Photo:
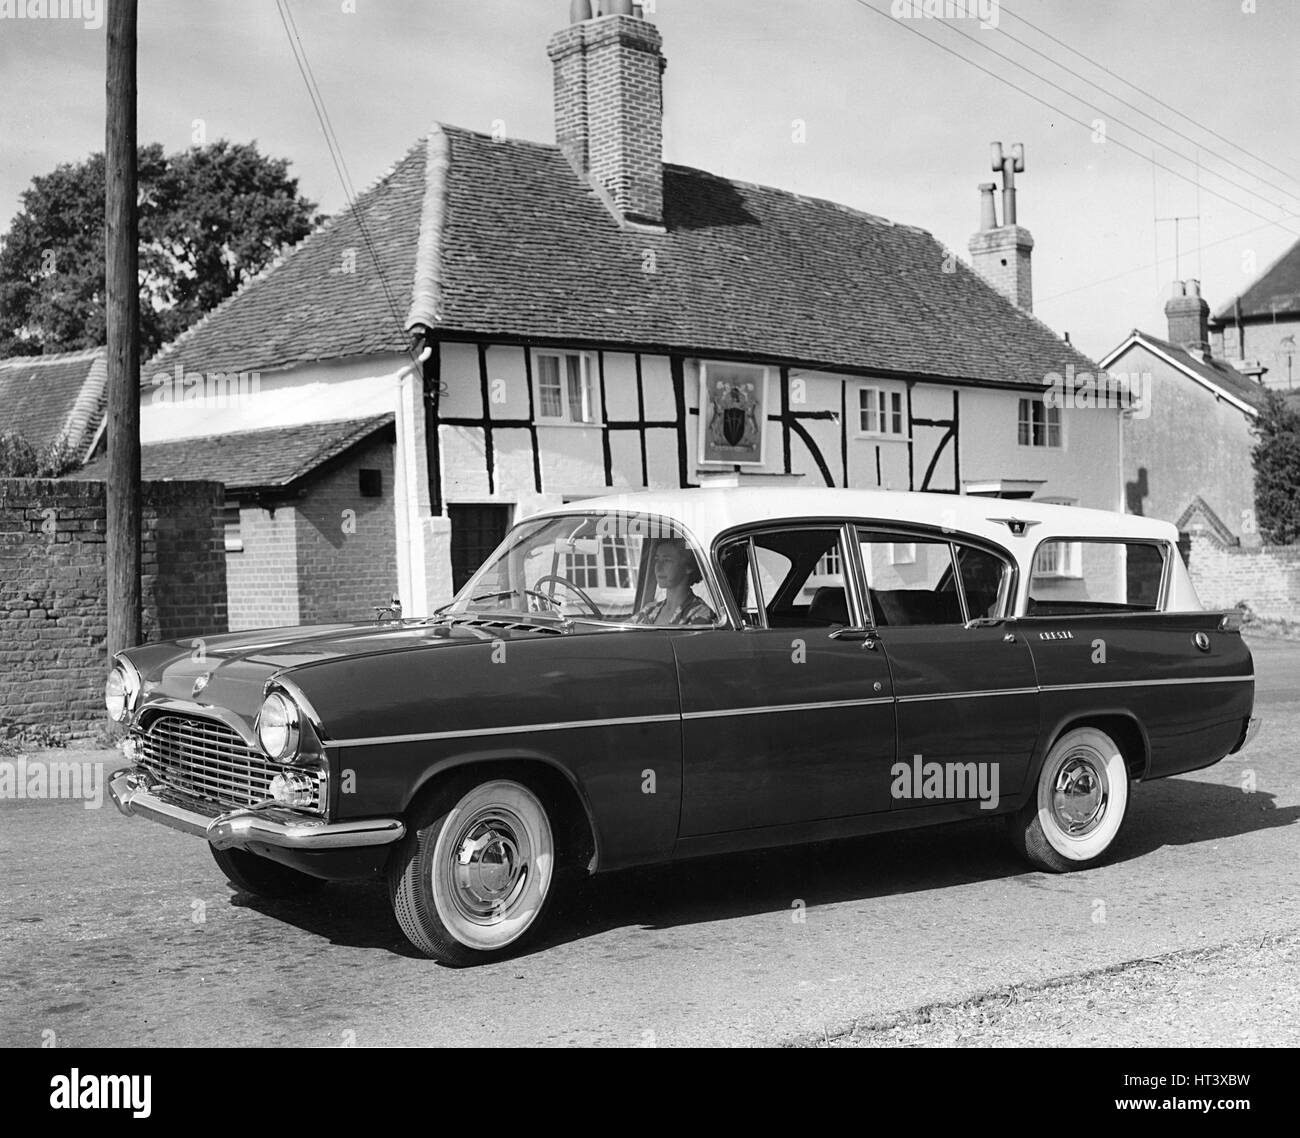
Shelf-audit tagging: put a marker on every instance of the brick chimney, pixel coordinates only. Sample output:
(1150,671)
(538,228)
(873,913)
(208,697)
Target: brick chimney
(1001,254)
(1188,316)
(609,105)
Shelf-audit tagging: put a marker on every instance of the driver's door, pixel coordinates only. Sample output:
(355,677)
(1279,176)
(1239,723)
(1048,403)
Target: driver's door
(789,720)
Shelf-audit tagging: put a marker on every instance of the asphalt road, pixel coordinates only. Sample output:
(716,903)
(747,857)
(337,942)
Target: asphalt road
(117,931)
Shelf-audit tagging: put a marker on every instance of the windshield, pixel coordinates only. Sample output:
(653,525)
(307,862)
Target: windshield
(622,568)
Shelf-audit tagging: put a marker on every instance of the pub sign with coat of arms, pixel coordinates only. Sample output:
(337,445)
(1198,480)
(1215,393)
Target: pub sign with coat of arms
(733,410)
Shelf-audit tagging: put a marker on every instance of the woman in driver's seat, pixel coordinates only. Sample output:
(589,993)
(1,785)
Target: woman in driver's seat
(676,570)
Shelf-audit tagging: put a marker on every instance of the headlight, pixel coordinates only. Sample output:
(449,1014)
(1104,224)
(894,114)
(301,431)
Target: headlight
(120,690)
(277,727)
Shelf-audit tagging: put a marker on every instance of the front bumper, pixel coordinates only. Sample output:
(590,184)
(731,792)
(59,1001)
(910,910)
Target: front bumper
(268,825)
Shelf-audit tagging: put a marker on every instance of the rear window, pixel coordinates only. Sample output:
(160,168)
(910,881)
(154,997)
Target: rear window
(1091,576)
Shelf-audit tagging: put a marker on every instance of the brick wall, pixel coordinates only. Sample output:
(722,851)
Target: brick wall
(323,556)
(53,616)
(262,579)
(1266,578)
(347,544)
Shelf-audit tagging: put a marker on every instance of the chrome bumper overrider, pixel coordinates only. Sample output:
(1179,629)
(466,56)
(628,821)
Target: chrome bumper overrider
(264,825)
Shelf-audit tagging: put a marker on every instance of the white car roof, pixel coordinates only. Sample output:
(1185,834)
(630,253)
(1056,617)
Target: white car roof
(708,511)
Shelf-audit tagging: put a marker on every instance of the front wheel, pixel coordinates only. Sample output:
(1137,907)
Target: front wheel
(1079,806)
(473,876)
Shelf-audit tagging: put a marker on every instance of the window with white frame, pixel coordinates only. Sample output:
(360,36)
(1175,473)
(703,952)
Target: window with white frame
(564,388)
(829,564)
(582,569)
(880,412)
(1062,559)
(617,556)
(1039,425)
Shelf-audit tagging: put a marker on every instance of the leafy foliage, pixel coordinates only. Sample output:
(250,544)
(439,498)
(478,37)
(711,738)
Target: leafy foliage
(210,217)
(1276,458)
(19,459)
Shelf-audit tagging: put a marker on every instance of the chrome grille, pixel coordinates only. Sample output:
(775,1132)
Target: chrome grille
(208,760)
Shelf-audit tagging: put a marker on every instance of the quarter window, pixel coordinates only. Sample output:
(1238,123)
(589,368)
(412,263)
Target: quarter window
(1074,577)
(880,412)
(1039,425)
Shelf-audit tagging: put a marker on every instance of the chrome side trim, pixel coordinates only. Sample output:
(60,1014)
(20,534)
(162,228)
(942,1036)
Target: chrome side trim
(824,705)
(968,694)
(631,720)
(239,829)
(1150,683)
(516,729)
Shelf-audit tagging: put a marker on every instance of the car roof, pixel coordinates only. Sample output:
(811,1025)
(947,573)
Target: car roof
(707,512)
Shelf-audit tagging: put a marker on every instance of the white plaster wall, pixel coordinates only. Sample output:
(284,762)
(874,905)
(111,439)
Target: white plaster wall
(309,393)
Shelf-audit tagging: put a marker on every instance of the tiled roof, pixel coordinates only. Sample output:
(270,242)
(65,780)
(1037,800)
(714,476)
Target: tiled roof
(251,460)
(524,248)
(324,299)
(43,397)
(1276,290)
(1223,375)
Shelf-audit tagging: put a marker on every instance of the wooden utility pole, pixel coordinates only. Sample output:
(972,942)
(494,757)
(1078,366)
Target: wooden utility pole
(123,311)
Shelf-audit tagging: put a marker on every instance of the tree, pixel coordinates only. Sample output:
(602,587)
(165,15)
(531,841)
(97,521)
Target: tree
(19,459)
(1276,457)
(210,217)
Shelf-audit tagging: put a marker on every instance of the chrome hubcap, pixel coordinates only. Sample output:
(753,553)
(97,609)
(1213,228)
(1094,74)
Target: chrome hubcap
(1079,795)
(490,865)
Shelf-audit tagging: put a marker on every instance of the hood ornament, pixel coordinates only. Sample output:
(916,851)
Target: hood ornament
(200,682)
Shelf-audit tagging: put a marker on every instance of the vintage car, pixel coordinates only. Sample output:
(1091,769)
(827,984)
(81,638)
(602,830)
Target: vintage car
(658,676)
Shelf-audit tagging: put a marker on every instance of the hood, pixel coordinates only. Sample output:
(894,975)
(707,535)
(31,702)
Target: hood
(235,666)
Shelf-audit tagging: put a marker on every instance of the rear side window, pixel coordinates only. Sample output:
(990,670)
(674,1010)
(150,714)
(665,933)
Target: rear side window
(1074,577)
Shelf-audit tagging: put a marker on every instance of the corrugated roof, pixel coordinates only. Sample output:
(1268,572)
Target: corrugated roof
(528,249)
(250,460)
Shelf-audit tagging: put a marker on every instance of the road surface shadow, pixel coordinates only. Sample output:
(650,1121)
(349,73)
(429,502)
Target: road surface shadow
(1167,812)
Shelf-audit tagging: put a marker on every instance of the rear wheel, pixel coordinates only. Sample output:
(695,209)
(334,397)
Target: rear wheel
(264,878)
(473,876)
(1079,805)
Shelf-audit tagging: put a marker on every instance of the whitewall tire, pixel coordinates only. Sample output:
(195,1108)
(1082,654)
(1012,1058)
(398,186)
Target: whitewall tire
(1078,805)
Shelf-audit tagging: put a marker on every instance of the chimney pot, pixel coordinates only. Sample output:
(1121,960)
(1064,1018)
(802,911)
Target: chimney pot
(988,206)
(619,7)
(579,10)
(1193,288)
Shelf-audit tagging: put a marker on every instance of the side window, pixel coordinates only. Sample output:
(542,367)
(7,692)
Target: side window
(910,580)
(1096,576)
(788,578)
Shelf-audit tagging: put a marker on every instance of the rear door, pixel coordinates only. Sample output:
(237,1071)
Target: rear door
(790,719)
(968,715)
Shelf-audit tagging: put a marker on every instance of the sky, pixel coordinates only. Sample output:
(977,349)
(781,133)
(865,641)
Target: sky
(839,99)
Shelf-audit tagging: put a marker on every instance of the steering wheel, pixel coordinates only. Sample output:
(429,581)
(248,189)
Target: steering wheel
(586,600)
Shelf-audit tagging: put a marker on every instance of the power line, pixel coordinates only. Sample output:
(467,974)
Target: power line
(1155,99)
(1143,268)
(336,154)
(908,26)
(1145,114)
